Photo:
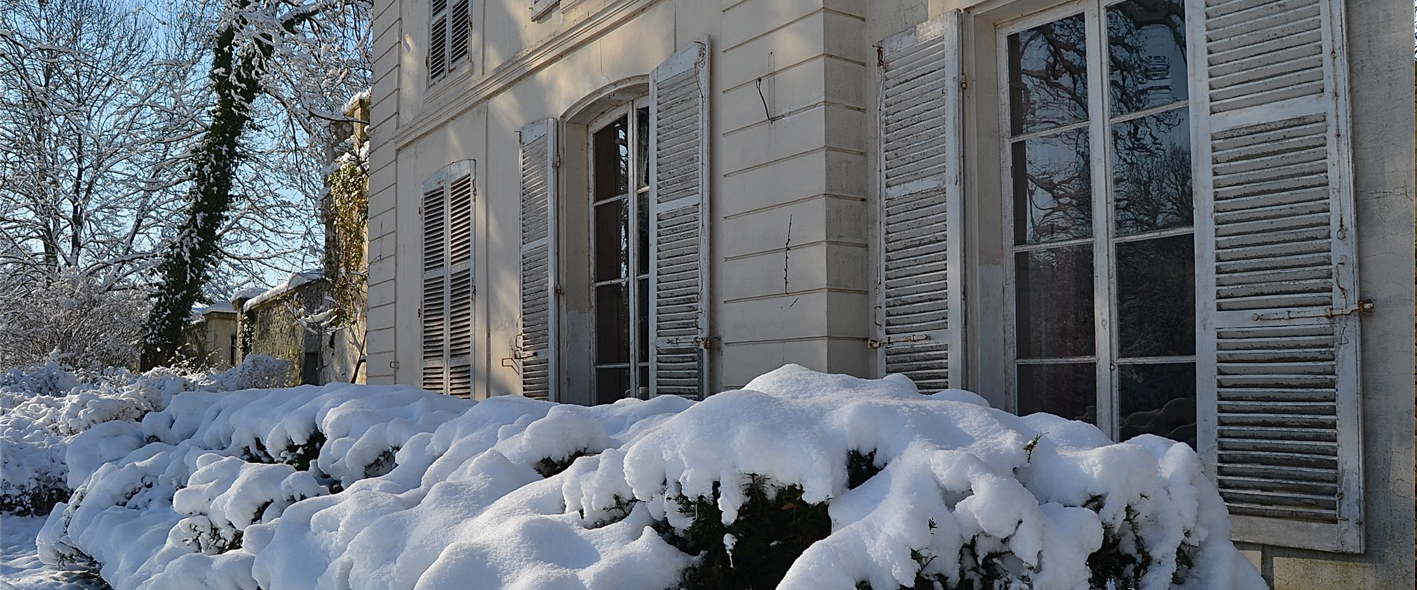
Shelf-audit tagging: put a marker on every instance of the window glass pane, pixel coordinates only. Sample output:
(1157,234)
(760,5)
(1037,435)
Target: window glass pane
(1067,390)
(1151,168)
(612,240)
(612,324)
(1156,297)
(1054,302)
(611,385)
(644,382)
(643,321)
(1158,399)
(1146,41)
(1052,188)
(642,204)
(612,160)
(642,147)
(1048,75)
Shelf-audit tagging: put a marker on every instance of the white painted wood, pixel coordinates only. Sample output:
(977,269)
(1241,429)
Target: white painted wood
(540,8)
(679,214)
(449,32)
(535,349)
(445,312)
(432,311)
(437,59)
(461,193)
(920,327)
(1277,331)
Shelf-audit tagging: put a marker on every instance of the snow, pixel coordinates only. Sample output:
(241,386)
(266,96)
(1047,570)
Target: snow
(391,487)
(46,407)
(20,567)
(290,284)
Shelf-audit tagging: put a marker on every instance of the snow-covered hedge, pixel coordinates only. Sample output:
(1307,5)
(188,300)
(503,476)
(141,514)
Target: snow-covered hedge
(801,480)
(44,406)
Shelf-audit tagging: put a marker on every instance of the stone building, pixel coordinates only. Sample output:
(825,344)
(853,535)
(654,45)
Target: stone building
(1192,218)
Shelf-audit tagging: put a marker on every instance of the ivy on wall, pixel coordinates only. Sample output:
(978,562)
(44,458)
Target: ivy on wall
(349,219)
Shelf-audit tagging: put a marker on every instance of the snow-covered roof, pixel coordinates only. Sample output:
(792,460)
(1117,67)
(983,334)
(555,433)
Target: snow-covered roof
(354,100)
(290,284)
(247,293)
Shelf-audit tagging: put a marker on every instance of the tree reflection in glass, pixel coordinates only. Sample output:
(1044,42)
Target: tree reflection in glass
(1146,45)
(1048,75)
(1151,172)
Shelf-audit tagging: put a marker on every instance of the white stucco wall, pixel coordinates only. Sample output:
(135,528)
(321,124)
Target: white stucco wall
(793,298)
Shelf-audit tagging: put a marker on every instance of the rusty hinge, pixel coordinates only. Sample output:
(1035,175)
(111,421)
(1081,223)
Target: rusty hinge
(873,343)
(1364,306)
(708,343)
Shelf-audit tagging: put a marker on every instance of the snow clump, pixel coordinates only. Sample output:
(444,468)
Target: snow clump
(801,480)
(46,406)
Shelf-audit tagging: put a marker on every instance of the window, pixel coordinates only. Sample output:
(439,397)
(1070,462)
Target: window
(614,241)
(1099,172)
(620,253)
(448,34)
(1164,237)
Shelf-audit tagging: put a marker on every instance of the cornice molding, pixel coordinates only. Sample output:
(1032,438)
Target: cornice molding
(524,64)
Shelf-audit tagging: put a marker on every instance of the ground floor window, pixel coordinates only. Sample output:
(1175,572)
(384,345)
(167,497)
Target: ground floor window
(1099,208)
(620,252)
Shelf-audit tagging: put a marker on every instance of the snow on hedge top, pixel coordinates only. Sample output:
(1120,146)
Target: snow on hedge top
(390,487)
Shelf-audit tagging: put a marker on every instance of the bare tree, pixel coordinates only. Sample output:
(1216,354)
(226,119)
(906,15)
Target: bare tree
(94,109)
(291,58)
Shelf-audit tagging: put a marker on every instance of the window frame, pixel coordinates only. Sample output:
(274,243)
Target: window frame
(1103,239)
(628,110)
(450,66)
(540,8)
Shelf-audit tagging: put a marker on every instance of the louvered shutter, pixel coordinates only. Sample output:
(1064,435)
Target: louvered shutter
(433,311)
(918,292)
(678,308)
(461,193)
(1277,344)
(536,347)
(446,308)
(437,39)
(459,28)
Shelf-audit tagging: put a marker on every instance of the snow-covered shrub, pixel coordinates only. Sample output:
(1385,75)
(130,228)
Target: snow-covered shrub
(87,323)
(799,481)
(47,405)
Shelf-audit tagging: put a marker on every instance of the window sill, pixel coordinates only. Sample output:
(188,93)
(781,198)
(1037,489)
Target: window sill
(461,75)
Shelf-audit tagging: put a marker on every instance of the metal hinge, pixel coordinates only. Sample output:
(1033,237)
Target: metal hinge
(1364,306)
(873,343)
(708,343)
(519,351)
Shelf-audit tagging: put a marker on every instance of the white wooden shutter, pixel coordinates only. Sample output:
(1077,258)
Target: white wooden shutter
(536,346)
(462,190)
(679,143)
(437,39)
(459,28)
(920,323)
(1277,291)
(446,308)
(433,309)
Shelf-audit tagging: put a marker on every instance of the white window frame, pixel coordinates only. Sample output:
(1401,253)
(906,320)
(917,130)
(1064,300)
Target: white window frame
(627,110)
(540,8)
(1102,240)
